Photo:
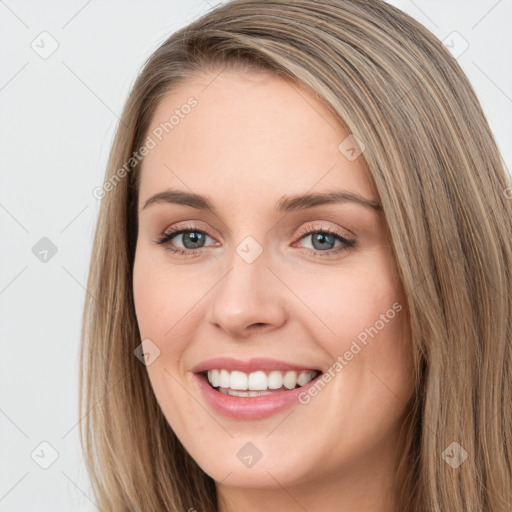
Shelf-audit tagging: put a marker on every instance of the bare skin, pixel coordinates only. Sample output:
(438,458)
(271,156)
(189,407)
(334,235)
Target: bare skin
(250,141)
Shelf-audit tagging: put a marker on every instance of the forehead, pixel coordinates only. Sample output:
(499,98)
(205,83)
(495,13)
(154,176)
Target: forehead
(250,134)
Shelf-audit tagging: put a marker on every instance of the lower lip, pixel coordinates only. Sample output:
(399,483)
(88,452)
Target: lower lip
(250,408)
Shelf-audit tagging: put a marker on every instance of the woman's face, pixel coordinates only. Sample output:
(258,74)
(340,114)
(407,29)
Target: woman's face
(303,284)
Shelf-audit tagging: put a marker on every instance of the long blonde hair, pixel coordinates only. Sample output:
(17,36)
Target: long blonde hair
(448,205)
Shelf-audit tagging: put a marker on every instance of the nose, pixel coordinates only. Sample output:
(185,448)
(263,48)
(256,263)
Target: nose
(249,298)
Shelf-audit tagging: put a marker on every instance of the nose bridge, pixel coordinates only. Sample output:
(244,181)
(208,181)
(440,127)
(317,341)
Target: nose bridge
(248,293)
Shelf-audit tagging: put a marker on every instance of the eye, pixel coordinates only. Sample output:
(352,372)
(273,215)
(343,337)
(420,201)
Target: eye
(191,238)
(323,240)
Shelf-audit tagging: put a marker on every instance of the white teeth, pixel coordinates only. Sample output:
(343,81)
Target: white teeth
(290,380)
(238,380)
(234,392)
(214,377)
(223,379)
(258,381)
(303,379)
(275,380)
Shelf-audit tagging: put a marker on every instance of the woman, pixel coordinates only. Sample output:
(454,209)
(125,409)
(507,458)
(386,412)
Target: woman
(299,293)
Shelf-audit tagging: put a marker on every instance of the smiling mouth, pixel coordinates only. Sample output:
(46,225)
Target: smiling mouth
(258,383)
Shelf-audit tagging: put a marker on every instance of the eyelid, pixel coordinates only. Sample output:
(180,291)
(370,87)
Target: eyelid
(186,226)
(314,227)
(179,229)
(318,226)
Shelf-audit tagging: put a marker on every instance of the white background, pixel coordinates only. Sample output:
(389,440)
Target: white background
(58,117)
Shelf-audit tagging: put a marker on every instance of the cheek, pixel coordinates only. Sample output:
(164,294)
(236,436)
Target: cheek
(358,314)
(163,310)
(345,303)
(159,296)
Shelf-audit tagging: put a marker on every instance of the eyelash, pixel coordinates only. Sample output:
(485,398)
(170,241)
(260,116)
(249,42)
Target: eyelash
(165,238)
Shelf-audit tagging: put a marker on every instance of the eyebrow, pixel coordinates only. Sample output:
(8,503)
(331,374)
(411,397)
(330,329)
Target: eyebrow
(285,204)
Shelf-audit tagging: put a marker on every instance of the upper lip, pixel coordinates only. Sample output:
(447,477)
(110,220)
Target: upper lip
(251,365)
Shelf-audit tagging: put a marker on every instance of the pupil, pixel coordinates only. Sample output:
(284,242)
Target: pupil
(194,238)
(322,239)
